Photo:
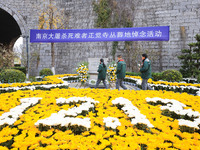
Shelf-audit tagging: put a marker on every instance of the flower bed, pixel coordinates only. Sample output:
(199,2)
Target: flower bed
(190,80)
(55,81)
(168,86)
(99,119)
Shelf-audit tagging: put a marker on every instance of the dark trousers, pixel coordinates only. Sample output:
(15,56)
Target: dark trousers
(145,85)
(119,82)
(98,81)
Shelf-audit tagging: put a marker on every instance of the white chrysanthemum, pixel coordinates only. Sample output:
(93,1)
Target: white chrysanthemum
(111,122)
(188,123)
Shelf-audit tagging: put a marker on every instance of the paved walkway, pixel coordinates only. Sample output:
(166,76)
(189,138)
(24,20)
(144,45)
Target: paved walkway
(78,85)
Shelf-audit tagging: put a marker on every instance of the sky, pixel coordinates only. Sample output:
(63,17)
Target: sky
(17,44)
(19,41)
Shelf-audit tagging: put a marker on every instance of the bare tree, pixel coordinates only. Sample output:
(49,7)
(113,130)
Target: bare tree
(6,57)
(51,18)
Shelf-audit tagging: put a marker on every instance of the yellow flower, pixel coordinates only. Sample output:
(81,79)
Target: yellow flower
(127,136)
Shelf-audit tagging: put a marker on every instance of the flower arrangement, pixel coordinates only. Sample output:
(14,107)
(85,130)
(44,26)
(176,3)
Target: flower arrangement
(111,73)
(82,71)
(99,119)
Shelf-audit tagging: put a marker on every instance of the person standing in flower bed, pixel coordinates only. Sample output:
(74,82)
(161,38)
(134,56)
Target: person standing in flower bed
(146,72)
(102,74)
(121,72)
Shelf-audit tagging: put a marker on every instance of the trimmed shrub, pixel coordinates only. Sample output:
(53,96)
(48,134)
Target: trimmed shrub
(172,75)
(17,65)
(133,73)
(32,79)
(12,75)
(46,72)
(23,69)
(156,76)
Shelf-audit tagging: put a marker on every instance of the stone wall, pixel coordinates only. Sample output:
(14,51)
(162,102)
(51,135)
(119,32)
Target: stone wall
(183,17)
(70,55)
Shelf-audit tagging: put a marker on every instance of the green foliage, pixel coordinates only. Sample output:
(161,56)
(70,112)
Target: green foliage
(110,15)
(104,14)
(23,69)
(198,78)
(172,75)
(32,79)
(190,59)
(114,48)
(12,75)
(17,65)
(156,76)
(113,63)
(46,72)
(133,73)
(85,63)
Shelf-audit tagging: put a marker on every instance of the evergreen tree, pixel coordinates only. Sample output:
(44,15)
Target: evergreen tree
(190,59)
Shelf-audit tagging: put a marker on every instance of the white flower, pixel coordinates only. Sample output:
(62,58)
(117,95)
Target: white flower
(138,82)
(111,122)
(10,121)
(41,121)
(141,120)
(62,113)
(71,112)
(188,123)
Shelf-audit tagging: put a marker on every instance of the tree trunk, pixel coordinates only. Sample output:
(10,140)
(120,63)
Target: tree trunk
(106,46)
(38,57)
(52,58)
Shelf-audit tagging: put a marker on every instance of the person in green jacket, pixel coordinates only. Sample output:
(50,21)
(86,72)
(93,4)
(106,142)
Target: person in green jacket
(121,72)
(102,74)
(146,72)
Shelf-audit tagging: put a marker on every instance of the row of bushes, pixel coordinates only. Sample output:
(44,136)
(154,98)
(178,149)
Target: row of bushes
(167,75)
(17,74)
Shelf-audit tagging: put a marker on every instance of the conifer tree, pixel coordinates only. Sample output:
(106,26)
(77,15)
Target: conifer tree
(190,59)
